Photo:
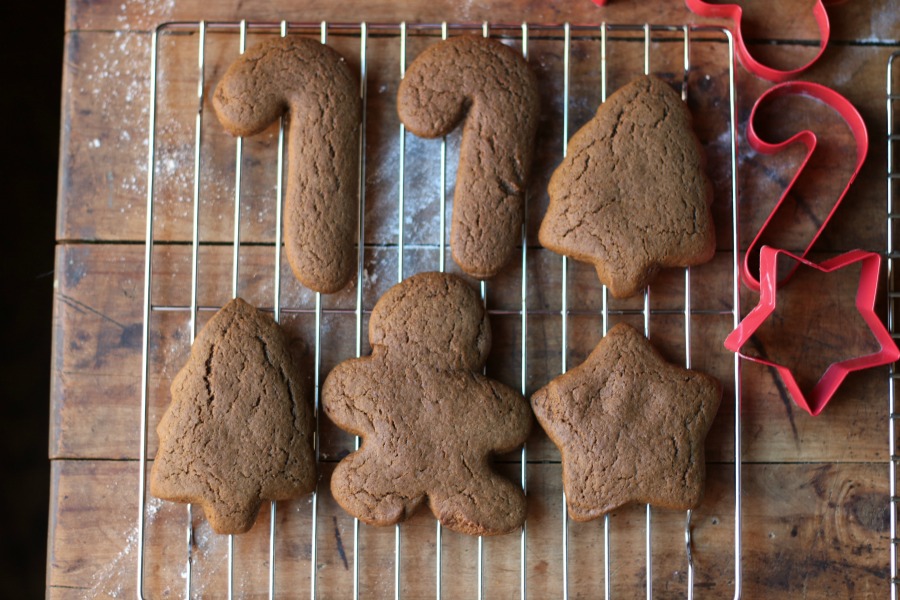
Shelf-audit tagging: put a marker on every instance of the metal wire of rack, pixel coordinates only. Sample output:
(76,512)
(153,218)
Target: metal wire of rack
(401,32)
(893,175)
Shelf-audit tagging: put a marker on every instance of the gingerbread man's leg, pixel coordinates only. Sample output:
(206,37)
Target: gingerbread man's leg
(487,505)
(363,485)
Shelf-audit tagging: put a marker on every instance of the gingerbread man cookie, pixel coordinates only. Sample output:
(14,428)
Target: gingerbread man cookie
(428,418)
(630,427)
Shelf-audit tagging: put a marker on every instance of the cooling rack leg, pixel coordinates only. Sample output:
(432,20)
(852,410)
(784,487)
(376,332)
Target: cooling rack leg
(687,321)
(145,327)
(891,297)
(363,93)
(236,262)
(607,583)
(736,313)
(523,560)
(195,247)
(564,310)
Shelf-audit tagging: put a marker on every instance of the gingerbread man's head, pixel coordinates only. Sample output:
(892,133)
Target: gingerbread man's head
(429,315)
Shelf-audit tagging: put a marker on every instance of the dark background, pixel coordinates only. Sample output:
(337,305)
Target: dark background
(32,66)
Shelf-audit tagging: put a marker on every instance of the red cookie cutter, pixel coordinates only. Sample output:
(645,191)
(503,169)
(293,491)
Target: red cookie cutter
(735,14)
(857,126)
(865,303)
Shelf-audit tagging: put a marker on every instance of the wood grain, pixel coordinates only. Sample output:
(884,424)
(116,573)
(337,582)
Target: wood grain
(812,528)
(96,378)
(766,19)
(815,502)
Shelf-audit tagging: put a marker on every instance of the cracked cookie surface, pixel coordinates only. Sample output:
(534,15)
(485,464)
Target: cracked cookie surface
(631,196)
(239,428)
(428,418)
(630,427)
(491,87)
(313,87)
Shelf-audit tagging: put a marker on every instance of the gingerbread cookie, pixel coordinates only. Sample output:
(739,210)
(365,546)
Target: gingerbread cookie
(490,86)
(239,429)
(630,427)
(631,196)
(312,85)
(427,417)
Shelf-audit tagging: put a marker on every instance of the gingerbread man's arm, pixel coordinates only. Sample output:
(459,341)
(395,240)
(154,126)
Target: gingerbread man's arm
(507,418)
(346,391)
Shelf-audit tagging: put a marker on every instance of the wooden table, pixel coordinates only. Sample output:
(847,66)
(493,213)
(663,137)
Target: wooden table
(815,490)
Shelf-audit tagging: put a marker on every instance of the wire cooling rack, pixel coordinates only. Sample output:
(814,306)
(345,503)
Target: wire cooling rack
(578,65)
(893,175)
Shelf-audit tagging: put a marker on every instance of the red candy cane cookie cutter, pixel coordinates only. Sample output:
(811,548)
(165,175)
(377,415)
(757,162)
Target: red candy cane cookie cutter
(735,14)
(858,128)
(835,374)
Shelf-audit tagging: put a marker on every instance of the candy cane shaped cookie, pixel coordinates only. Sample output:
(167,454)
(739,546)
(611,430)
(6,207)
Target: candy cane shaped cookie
(491,87)
(312,85)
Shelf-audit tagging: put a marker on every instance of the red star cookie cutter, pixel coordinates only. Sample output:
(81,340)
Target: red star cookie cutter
(735,14)
(857,127)
(834,375)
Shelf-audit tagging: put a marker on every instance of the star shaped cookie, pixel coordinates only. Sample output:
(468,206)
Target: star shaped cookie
(428,419)
(630,427)
(631,196)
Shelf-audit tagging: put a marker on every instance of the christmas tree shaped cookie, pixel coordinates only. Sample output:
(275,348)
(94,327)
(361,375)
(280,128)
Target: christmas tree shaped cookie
(631,196)
(239,429)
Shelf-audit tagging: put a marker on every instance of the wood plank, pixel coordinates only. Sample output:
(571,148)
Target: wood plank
(105,424)
(104,170)
(110,15)
(800,522)
(96,377)
(766,19)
